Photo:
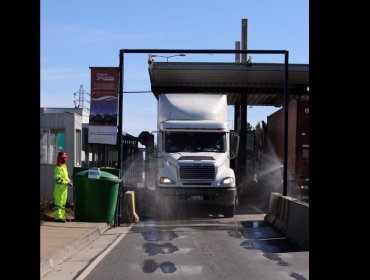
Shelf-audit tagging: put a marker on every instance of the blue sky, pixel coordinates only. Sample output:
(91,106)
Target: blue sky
(78,34)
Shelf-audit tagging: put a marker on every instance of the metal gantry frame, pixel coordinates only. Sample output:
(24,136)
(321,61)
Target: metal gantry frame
(210,51)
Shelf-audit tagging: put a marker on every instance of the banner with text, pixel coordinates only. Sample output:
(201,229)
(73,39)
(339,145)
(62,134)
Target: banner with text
(103,105)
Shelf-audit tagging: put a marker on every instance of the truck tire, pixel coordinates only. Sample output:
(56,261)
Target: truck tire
(229,211)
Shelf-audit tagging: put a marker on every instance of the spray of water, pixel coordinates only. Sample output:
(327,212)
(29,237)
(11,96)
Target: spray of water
(139,175)
(262,177)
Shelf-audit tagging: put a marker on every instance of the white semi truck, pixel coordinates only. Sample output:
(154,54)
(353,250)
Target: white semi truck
(193,144)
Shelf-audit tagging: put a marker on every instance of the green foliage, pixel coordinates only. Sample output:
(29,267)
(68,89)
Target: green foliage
(249,127)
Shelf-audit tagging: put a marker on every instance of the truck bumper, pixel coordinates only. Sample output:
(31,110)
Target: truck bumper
(208,196)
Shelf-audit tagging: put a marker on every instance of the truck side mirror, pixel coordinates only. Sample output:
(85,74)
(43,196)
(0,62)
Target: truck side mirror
(234,144)
(153,154)
(147,139)
(150,144)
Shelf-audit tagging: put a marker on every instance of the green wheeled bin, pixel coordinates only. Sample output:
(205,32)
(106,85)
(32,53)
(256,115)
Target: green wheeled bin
(96,193)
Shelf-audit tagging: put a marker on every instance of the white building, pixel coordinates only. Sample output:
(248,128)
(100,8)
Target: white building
(61,129)
(66,129)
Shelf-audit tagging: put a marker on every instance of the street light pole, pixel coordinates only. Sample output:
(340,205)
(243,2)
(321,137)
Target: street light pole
(167,57)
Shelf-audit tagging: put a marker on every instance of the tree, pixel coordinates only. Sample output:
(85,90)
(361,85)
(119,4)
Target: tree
(249,127)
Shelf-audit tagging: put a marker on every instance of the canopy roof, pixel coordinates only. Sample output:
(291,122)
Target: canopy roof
(262,82)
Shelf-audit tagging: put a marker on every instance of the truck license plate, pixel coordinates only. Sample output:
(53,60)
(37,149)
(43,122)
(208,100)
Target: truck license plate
(196,197)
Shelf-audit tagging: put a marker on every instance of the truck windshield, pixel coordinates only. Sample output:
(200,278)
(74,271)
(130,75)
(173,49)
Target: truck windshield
(195,142)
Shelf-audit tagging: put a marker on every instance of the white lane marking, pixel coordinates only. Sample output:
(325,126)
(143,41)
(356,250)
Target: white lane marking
(190,269)
(100,257)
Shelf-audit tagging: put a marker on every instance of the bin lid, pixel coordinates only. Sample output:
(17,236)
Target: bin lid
(103,176)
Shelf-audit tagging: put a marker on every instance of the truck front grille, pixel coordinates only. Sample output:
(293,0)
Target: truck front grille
(197,174)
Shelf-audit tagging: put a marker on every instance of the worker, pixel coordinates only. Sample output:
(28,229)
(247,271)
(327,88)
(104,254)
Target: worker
(62,182)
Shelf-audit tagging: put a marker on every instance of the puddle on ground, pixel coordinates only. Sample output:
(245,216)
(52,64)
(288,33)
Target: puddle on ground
(159,235)
(154,249)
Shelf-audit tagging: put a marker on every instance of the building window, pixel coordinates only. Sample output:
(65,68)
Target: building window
(78,146)
(44,146)
(51,143)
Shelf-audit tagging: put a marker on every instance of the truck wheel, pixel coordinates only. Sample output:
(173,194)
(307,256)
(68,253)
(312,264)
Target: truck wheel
(229,211)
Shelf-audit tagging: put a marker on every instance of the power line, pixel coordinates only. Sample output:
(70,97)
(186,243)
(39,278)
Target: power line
(138,91)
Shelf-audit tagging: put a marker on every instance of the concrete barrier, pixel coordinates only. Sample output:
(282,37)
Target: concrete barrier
(129,211)
(298,224)
(281,223)
(273,211)
(290,218)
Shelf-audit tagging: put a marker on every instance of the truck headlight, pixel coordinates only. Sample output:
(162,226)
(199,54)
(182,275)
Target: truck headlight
(227,181)
(166,181)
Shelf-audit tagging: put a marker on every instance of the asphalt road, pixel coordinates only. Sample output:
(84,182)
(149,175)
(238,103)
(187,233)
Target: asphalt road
(200,245)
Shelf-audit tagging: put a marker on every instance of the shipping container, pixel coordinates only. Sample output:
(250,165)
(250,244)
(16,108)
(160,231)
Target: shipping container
(298,146)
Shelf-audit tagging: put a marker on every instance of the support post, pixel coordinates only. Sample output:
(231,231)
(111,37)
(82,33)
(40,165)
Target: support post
(286,109)
(117,220)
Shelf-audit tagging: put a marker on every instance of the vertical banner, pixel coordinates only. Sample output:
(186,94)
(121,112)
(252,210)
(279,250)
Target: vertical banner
(103,105)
